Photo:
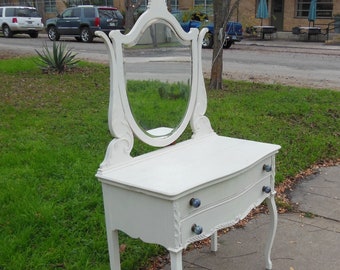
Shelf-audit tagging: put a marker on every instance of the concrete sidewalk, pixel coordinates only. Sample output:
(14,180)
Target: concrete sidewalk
(301,243)
(288,43)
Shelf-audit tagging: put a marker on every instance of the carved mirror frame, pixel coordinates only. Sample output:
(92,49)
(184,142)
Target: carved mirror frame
(122,124)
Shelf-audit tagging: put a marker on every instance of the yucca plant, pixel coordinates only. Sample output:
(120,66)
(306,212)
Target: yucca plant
(59,59)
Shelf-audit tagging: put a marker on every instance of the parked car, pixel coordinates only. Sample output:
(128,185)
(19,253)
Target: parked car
(82,21)
(234,31)
(20,20)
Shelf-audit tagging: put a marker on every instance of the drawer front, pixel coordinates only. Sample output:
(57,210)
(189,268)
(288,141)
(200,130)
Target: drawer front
(206,197)
(223,213)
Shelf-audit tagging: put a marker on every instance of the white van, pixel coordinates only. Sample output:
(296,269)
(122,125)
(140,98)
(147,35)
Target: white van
(20,20)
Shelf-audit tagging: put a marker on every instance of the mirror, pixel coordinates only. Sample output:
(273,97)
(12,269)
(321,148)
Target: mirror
(156,83)
(158,73)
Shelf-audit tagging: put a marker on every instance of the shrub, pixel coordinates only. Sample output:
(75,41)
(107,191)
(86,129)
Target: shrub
(60,59)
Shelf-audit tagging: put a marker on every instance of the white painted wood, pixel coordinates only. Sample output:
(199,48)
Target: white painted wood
(273,226)
(160,132)
(148,196)
(113,243)
(176,260)
(214,243)
(198,162)
(119,104)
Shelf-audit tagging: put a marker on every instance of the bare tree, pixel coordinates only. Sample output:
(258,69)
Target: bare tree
(223,10)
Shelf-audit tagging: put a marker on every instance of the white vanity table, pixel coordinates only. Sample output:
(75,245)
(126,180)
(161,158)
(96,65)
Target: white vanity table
(181,192)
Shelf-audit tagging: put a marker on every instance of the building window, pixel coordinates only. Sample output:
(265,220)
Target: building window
(324,8)
(206,5)
(50,6)
(144,4)
(174,4)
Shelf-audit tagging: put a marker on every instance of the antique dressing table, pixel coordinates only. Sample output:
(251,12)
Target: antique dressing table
(185,191)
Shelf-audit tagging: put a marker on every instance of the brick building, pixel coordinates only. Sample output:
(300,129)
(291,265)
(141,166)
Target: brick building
(284,14)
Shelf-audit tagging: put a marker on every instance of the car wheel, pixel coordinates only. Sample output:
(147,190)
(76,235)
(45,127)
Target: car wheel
(227,44)
(208,41)
(52,33)
(7,31)
(34,34)
(86,35)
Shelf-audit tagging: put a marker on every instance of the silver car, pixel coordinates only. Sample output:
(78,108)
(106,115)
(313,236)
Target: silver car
(20,20)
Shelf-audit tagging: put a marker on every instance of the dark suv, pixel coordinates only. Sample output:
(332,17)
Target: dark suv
(82,21)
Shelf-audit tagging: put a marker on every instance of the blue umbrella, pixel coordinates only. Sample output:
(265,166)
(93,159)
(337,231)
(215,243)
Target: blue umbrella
(262,10)
(312,11)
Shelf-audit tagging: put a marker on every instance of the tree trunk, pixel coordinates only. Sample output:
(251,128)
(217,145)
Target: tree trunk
(130,8)
(168,4)
(153,35)
(219,30)
(129,20)
(223,10)
(216,81)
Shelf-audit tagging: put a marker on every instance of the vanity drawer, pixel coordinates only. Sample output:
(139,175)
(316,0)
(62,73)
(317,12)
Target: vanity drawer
(224,212)
(226,189)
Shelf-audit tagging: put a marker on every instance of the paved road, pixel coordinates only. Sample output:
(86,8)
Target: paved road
(307,64)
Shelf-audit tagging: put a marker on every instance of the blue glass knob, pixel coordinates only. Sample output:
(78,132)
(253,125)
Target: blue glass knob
(266,189)
(197,229)
(194,202)
(267,167)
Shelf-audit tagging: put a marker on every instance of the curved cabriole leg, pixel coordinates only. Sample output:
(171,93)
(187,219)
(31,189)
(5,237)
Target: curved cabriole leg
(176,260)
(113,243)
(273,225)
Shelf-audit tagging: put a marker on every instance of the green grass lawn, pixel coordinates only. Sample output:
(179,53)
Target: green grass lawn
(53,136)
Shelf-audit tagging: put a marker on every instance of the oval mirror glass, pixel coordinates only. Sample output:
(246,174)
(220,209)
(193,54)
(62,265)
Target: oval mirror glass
(158,72)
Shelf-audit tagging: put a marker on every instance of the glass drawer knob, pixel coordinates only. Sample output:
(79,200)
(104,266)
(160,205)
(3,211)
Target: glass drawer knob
(196,229)
(266,189)
(194,202)
(267,167)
